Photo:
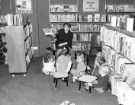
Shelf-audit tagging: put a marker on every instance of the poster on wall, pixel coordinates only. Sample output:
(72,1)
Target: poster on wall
(90,5)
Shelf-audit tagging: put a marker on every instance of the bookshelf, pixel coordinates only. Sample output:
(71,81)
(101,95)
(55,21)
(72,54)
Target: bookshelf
(3,47)
(85,26)
(19,43)
(18,36)
(118,49)
(120,42)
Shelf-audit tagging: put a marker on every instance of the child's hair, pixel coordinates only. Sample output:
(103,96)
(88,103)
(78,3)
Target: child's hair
(102,60)
(79,53)
(48,57)
(50,50)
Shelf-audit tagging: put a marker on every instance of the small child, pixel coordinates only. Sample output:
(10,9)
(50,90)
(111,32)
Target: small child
(80,67)
(99,60)
(48,64)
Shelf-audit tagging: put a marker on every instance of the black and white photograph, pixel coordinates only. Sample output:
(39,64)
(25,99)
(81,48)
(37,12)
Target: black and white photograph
(67,52)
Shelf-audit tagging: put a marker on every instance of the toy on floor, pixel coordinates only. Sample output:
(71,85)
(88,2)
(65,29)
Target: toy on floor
(79,66)
(67,103)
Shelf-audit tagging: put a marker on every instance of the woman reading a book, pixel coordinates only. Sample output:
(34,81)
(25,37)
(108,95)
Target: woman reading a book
(64,38)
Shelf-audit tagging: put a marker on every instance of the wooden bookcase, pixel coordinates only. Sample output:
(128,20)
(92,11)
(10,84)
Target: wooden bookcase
(85,26)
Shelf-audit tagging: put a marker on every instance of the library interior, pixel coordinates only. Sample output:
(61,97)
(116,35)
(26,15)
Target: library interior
(67,52)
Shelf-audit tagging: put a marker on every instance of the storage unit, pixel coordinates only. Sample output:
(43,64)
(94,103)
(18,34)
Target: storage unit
(118,48)
(19,49)
(16,53)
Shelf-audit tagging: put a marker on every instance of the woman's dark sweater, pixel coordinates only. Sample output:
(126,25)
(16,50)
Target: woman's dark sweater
(62,37)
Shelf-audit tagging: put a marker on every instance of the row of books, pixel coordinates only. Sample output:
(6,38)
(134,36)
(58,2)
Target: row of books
(120,8)
(81,46)
(16,19)
(123,22)
(115,60)
(63,8)
(78,18)
(3,50)
(28,57)
(120,42)
(82,37)
(89,28)
(80,27)
(28,29)
(63,18)
(28,44)
(96,17)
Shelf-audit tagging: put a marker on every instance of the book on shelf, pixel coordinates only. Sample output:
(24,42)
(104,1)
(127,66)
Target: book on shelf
(96,17)
(75,27)
(130,24)
(74,37)
(113,21)
(103,18)
(90,18)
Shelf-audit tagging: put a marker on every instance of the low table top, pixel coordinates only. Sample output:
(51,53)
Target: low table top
(87,78)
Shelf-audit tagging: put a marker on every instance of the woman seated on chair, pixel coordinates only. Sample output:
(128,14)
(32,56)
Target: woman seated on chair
(64,38)
(79,66)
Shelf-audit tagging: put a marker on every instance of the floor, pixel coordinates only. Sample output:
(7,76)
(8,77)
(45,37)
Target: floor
(38,89)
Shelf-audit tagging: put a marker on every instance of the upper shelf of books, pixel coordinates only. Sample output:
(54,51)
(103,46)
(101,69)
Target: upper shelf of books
(120,8)
(128,33)
(63,8)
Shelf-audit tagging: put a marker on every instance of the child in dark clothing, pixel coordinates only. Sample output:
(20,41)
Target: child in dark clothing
(101,84)
(101,71)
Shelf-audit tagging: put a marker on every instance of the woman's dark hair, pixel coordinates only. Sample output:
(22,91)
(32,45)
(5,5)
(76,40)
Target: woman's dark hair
(67,24)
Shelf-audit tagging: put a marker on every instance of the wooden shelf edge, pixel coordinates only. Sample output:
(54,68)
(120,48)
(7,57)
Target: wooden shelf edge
(128,33)
(63,12)
(122,12)
(86,32)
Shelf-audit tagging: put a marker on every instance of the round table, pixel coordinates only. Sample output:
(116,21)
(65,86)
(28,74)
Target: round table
(86,79)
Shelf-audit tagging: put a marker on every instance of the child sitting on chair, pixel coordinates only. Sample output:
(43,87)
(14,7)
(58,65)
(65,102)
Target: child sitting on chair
(80,66)
(48,64)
